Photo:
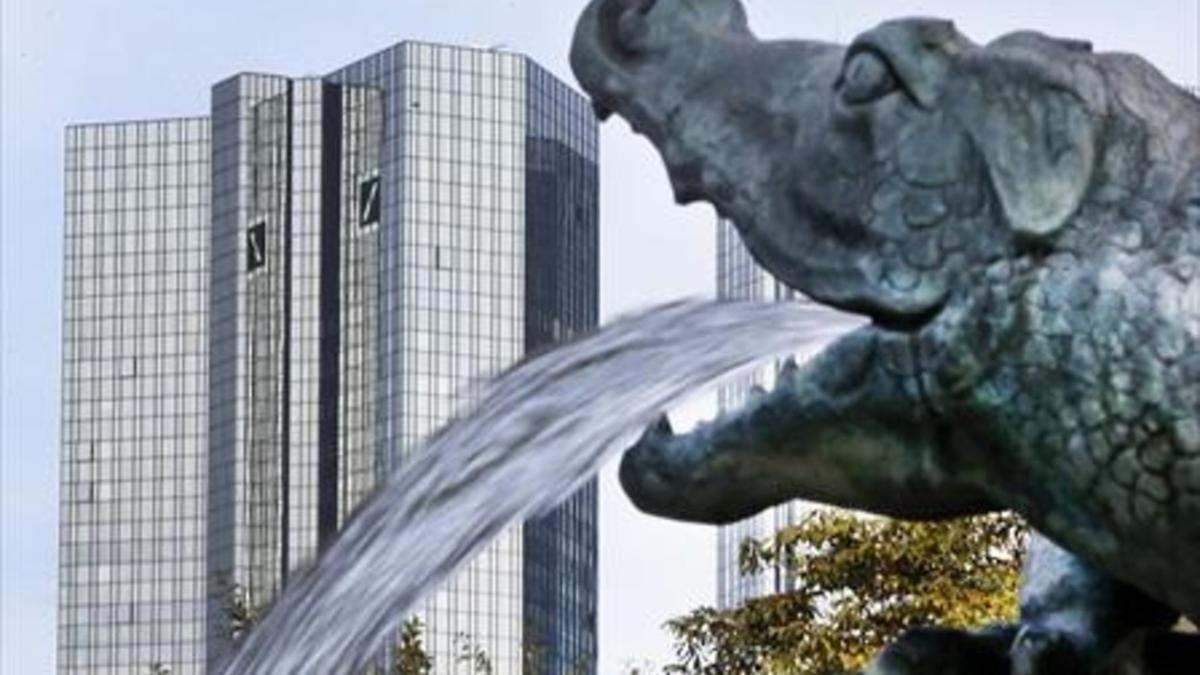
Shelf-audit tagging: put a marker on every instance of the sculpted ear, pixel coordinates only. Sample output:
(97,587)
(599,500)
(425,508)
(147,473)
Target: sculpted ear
(636,32)
(1032,106)
(919,51)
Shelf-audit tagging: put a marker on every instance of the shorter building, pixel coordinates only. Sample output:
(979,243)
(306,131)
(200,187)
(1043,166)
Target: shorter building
(740,278)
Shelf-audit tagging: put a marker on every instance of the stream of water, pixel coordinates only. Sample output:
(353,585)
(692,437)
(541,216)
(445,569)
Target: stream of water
(539,431)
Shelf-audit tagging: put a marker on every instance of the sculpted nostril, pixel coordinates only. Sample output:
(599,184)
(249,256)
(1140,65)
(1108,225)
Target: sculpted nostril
(601,111)
(644,6)
(630,25)
(622,25)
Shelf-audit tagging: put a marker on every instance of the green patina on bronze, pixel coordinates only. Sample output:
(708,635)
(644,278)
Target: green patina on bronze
(1021,220)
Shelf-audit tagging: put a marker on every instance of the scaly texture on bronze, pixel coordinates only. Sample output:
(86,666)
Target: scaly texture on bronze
(1021,220)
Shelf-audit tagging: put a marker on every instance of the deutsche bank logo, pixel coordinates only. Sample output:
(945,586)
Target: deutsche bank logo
(368,202)
(256,246)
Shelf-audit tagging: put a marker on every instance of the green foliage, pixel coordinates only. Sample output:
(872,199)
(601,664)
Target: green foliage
(533,655)
(243,613)
(410,657)
(859,584)
(470,653)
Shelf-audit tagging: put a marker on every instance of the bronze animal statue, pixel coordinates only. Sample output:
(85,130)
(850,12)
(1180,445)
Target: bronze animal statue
(1021,222)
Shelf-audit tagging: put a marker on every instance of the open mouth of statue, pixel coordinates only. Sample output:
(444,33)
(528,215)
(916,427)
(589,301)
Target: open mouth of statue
(905,323)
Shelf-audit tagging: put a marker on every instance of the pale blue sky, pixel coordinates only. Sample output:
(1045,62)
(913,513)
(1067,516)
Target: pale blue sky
(95,60)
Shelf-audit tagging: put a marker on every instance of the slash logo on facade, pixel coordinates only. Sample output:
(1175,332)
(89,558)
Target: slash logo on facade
(368,201)
(256,246)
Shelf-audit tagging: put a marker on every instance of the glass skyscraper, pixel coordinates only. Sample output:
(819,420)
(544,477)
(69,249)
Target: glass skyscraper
(134,409)
(269,308)
(740,278)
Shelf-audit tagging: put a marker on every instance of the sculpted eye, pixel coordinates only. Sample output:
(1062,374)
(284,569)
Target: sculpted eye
(866,78)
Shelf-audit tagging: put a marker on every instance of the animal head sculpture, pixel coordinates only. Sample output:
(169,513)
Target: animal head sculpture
(881,176)
(1021,220)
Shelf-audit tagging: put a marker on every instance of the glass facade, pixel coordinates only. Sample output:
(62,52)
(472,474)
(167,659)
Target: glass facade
(376,244)
(740,278)
(231,568)
(135,381)
(491,188)
(294,329)
(561,300)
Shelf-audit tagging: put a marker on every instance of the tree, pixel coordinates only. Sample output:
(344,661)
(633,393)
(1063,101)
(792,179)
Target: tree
(410,657)
(243,613)
(860,583)
(471,653)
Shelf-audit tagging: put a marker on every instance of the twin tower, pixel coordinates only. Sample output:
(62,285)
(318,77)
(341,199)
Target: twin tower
(268,308)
